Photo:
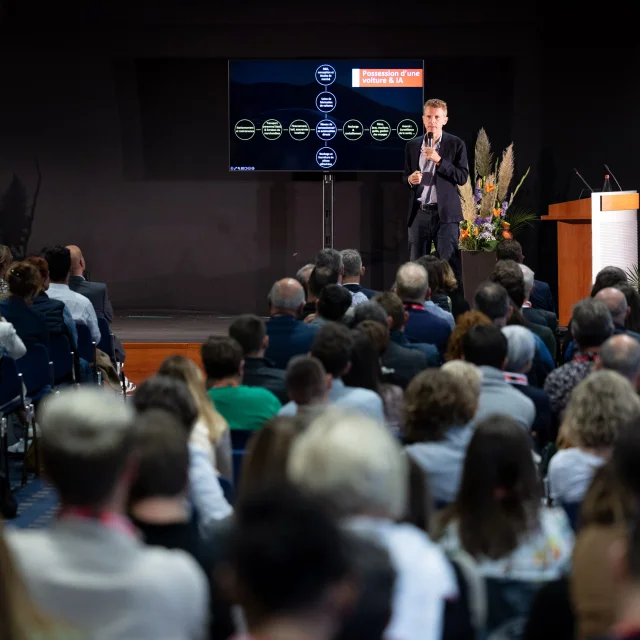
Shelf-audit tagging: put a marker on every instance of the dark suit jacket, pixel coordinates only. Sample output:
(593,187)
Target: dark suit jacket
(424,326)
(546,335)
(96,292)
(541,297)
(288,337)
(260,372)
(406,364)
(541,317)
(543,424)
(357,287)
(452,172)
(30,325)
(430,351)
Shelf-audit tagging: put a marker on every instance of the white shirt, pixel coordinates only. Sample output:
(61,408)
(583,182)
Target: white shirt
(82,310)
(428,167)
(10,341)
(570,474)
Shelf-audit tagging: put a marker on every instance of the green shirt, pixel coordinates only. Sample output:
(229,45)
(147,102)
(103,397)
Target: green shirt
(245,407)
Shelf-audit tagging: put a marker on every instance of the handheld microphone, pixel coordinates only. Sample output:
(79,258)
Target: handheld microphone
(611,174)
(430,140)
(583,180)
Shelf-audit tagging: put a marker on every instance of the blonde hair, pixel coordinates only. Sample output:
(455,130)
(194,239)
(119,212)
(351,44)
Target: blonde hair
(184,369)
(436,103)
(469,374)
(449,277)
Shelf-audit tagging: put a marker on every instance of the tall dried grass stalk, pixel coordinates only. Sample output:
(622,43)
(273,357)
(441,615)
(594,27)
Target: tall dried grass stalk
(505,172)
(469,211)
(483,155)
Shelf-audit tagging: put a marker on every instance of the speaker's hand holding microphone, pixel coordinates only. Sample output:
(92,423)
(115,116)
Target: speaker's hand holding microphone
(415,178)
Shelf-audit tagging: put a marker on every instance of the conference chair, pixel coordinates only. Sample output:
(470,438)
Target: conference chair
(62,360)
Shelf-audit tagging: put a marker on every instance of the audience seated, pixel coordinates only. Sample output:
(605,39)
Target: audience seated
(333,346)
(353,271)
(89,569)
(303,273)
(541,297)
(521,350)
(243,407)
(333,304)
(608,277)
(10,342)
(464,322)
(438,302)
(497,519)
(396,320)
(591,325)
(632,323)
(621,353)
(158,503)
(530,313)
(172,395)
(211,431)
(250,332)
(487,348)
(59,260)
(288,336)
(6,258)
(24,282)
(616,302)
(451,288)
(308,387)
(357,466)
(412,287)
(332,258)
(319,278)
(599,406)
(439,413)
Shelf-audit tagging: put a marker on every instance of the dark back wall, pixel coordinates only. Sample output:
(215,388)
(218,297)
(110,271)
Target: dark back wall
(128,120)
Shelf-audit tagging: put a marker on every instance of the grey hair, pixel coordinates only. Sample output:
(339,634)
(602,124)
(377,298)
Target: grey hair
(616,301)
(591,323)
(352,261)
(370,310)
(353,462)
(303,273)
(329,258)
(528,276)
(598,407)
(290,301)
(622,354)
(412,282)
(467,372)
(521,347)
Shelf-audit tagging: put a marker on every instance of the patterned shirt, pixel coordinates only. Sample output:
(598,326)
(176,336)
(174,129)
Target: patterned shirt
(4,289)
(561,382)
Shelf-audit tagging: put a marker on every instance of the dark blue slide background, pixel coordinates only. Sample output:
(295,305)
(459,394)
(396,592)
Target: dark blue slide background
(286,90)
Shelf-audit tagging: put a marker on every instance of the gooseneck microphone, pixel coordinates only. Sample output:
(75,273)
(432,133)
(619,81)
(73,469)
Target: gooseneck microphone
(583,180)
(430,139)
(611,174)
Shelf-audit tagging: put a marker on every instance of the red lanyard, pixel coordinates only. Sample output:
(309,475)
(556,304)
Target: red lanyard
(105,518)
(516,378)
(414,306)
(590,356)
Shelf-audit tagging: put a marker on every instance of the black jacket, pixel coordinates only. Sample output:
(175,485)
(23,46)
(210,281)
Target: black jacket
(261,372)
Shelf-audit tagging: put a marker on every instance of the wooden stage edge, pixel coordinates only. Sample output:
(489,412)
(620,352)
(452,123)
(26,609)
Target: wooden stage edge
(144,358)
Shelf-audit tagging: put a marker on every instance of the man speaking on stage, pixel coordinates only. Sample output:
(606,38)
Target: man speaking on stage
(434,166)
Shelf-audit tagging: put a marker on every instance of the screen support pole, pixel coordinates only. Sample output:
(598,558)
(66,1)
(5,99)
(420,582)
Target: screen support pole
(327,210)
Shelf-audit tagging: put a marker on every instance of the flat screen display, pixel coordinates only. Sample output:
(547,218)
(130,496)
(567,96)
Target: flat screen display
(323,115)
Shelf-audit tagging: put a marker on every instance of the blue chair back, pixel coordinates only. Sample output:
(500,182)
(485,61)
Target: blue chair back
(60,353)
(240,437)
(85,343)
(34,367)
(572,509)
(10,386)
(227,489)
(106,339)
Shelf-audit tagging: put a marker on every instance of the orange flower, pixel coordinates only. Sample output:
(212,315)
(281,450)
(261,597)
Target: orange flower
(476,231)
(507,235)
(505,225)
(496,212)
(489,188)
(464,234)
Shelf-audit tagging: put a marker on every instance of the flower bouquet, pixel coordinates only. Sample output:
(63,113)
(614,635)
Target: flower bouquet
(489,216)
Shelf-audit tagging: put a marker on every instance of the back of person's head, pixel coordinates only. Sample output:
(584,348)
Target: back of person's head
(286,554)
(286,296)
(332,345)
(364,371)
(306,380)
(162,456)
(249,331)
(86,442)
(499,496)
(376,578)
(608,277)
(59,260)
(169,394)
(492,299)
(222,357)
(6,258)
(464,322)
(352,261)
(24,281)
(529,278)
(393,306)
(616,302)
(370,310)
(412,282)
(303,273)
(353,462)
(334,302)
(436,400)
(267,454)
(632,295)
(320,278)
(591,323)
(509,250)
(433,266)
(41,265)
(621,353)
(378,335)
(599,406)
(485,345)
(449,277)
(467,373)
(331,258)
(509,275)
(521,348)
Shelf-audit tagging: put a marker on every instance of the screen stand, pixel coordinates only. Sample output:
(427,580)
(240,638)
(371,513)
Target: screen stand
(327,210)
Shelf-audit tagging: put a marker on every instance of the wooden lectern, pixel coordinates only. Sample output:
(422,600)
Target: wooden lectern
(592,234)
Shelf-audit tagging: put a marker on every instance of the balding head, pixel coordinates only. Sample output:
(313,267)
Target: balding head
(616,302)
(77,260)
(528,276)
(412,283)
(286,297)
(621,353)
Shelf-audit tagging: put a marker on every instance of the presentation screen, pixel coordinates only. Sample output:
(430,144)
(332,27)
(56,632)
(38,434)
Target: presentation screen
(323,115)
